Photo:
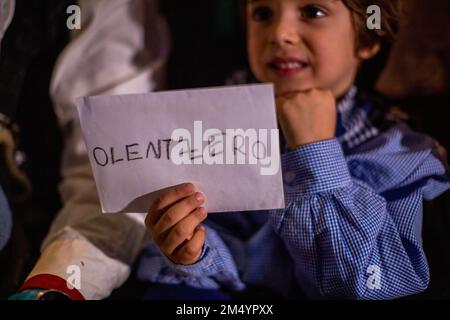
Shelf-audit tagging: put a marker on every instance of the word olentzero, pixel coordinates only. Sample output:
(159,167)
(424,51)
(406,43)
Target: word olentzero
(210,147)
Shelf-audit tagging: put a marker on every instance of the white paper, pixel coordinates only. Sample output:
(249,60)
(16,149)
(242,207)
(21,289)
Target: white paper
(132,155)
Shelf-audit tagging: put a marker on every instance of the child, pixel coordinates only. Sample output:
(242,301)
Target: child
(354,180)
(354,184)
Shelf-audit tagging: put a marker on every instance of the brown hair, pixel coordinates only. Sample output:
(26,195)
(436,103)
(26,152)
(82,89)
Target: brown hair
(390,15)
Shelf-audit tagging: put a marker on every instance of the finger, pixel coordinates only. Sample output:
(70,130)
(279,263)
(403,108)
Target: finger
(184,230)
(176,213)
(167,198)
(190,251)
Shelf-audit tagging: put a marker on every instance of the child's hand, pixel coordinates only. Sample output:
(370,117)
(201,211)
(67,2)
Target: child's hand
(306,117)
(173,221)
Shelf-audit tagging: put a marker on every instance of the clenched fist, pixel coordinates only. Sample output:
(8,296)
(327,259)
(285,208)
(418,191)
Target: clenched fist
(173,221)
(307,116)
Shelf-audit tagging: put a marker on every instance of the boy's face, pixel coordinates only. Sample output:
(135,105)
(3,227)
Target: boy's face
(302,44)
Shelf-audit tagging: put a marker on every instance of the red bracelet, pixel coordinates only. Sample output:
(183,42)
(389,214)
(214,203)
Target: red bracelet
(50,281)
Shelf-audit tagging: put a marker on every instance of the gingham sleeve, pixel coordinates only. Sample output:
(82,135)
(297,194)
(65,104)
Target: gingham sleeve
(352,224)
(214,269)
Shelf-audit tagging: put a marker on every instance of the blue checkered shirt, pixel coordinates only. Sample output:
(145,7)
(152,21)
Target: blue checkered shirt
(352,223)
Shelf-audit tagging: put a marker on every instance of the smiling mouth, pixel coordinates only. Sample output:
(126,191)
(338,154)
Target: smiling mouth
(287,66)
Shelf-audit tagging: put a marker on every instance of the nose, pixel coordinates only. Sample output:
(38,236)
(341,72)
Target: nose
(285,31)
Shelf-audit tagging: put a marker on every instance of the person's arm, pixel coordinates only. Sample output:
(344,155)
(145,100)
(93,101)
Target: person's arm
(101,247)
(353,224)
(184,251)
(101,59)
(214,269)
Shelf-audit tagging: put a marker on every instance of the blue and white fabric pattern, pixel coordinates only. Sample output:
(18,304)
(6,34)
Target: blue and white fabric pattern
(352,224)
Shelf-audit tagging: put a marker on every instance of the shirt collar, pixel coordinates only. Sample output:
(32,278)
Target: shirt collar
(355,120)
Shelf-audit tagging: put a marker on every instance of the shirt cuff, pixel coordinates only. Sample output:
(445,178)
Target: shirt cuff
(313,168)
(203,266)
(216,264)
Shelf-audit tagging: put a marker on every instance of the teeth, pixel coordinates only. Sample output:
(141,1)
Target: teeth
(289,65)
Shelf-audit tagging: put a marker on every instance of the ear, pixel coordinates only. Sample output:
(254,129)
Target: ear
(368,52)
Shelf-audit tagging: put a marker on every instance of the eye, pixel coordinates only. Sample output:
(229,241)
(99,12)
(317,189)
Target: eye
(261,14)
(312,12)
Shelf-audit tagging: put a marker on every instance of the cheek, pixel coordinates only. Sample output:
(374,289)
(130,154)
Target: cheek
(332,55)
